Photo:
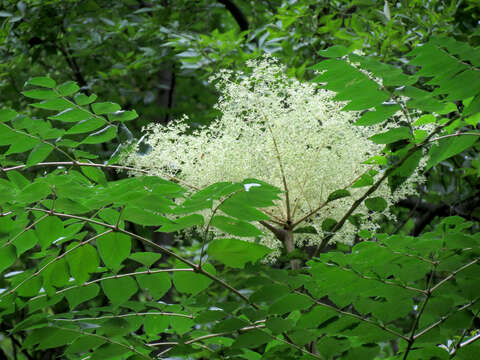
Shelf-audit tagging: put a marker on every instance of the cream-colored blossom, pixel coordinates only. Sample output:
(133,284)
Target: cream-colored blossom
(274,128)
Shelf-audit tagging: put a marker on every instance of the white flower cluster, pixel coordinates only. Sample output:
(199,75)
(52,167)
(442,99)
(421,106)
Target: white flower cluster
(278,130)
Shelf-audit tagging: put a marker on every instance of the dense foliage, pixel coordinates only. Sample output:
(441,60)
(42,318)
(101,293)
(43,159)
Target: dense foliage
(98,264)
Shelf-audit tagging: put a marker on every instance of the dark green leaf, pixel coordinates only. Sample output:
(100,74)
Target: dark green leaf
(328,224)
(338,194)
(376,204)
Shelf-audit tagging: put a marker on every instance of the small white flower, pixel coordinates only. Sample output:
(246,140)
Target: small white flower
(267,116)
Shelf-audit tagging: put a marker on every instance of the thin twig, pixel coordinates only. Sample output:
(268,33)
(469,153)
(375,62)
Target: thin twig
(411,338)
(117,276)
(11,291)
(446,317)
(455,272)
(103,317)
(375,186)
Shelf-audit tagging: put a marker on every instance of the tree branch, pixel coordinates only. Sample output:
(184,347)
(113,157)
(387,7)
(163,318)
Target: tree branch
(237,14)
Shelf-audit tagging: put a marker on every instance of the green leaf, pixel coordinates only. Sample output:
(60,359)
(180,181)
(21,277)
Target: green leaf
(446,148)
(55,275)
(191,282)
(278,325)
(42,81)
(157,284)
(58,104)
(376,204)
(251,339)
(79,295)
(87,125)
(34,192)
(381,113)
(328,224)
(7,257)
(230,325)
(392,135)
(40,94)
(235,227)
(39,153)
(49,230)
(334,51)
(114,248)
(71,115)
(236,253)
(289,303)
(123,115)
(95,174)
(338,194)
(146,258)
(68,88)
(82,262)
(182,223)
(7,115)
(155,324)
(365,180)
(84,344)
(105,108)
(119,290)
(82,99)
(106,134)
(51,337)
(25,242)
